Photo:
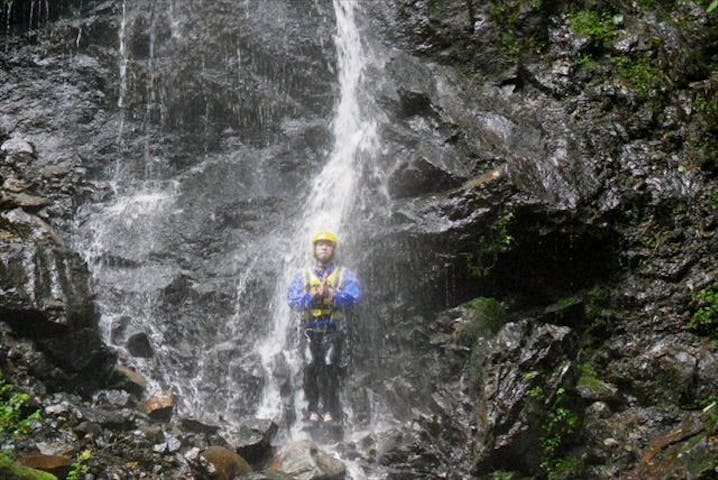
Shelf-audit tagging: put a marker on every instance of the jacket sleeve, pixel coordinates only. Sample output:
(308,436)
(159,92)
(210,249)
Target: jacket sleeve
(350,292)
(297,295)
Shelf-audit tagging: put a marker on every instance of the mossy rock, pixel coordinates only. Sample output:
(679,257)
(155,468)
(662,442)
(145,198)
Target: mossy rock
(485,316)
(9,470)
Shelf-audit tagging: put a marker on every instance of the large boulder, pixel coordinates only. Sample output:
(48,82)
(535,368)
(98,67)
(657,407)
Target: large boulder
(253,439)
(304,460)
(526,373)
(46,286)
(58,465)
(224,463)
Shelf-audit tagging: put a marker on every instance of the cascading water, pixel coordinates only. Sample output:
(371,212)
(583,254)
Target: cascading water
(8,13)
(239,135)
(330,199)
(173,254)
(123,70)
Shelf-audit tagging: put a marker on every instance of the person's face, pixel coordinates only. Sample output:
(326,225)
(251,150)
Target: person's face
(323,251)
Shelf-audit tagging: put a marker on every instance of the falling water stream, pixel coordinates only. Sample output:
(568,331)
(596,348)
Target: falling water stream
(164,264)
(332,192)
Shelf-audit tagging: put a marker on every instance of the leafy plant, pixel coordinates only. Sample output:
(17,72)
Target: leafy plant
(535,393)
(561,425)
(705,319)
(598,28)
(80,466)
(714,199)
(14,417)
(490,245)
(712,6)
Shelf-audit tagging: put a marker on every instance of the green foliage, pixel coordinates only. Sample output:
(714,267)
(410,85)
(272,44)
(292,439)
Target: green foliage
(566,303)
(640,75)
(489,246)
(587,62)
(710,415)
(485,317)
(707,108)
(705,319)
(506,14)
(535,393)
(712,6)
(587,370)
(565,469)
(79,467)
(14,417)
(488,315)
(713,199)
(562,423)
(599,28)
(9,470)
(598,303)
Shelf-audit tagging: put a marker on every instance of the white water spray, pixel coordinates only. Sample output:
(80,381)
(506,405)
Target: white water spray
(331,197)
(7,24)
(124,60)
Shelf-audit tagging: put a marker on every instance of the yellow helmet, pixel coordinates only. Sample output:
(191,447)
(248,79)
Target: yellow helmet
(326,236)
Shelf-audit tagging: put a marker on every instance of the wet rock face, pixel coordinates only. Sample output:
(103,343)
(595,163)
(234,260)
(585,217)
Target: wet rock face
(214,76)
(522,378)
(525,160)
(579,146)
(49,108)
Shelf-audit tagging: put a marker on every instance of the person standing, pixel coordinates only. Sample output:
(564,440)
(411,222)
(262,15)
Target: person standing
(323,293)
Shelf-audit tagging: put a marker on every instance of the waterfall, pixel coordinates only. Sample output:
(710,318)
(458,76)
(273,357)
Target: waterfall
(330,200)
(8,10)
(202,226)
(124,59)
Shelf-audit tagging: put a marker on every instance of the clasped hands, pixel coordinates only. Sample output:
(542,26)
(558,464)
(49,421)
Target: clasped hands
(325,292)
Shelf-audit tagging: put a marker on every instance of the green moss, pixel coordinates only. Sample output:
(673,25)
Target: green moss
(515,42)
(587,62)
(707,108)
(488,315)
(600,29)
(587,370)
(705,319)
(713,199)
(485,317)
(640,75)
(566,469)
(9,470)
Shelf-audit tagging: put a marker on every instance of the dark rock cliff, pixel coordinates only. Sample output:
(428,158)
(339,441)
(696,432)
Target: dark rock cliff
(589,129)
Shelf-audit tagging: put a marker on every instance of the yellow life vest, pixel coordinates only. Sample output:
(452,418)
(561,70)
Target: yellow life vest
(312,282)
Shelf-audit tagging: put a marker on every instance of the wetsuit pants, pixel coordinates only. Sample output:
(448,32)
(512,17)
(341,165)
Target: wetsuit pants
(322,352)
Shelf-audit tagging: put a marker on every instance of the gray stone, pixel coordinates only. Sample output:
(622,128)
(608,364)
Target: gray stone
(304,460)
(139,345)
(17,145)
